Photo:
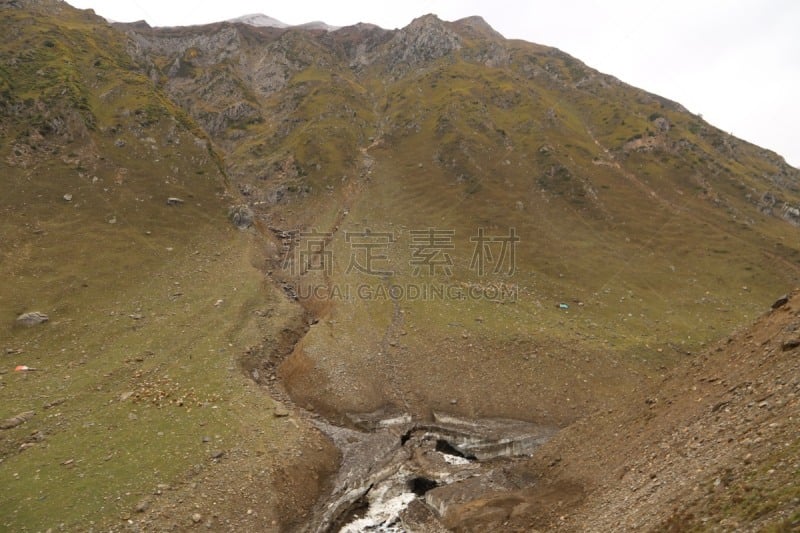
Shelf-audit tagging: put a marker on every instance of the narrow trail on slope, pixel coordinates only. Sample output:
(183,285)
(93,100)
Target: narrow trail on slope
(676,209)
(633,178)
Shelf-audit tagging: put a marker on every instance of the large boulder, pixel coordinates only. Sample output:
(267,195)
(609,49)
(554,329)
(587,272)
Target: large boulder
(32,318)
(241,216)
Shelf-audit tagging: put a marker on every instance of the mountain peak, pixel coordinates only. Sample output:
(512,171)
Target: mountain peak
(424,39)
(260,20)
(426,18)
(263,21)
(479,25)
(317,25)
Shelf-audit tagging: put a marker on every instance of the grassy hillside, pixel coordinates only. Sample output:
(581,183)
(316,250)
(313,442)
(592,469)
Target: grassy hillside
(648,222)
(444,221)
(658,231)
(137,386)
(711,446)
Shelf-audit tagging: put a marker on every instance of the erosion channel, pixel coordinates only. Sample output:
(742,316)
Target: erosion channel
(402,473)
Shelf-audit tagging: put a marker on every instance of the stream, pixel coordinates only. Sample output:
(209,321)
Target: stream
(396,472)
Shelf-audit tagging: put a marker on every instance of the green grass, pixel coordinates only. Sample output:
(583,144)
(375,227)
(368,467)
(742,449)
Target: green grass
(95,455)
(656,253)
(660,272)
(180,365)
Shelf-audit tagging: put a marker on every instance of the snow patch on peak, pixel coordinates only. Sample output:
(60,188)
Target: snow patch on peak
(260,20)
(263,21)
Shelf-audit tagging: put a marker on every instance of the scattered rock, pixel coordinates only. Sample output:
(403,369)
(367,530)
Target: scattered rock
(780,302)
(136,316)
(217,454)
(32,318)
(280,411)
(662,124)
(68,197)
(119,143)
(197,518)
(241,216)
(790,344)
(143,505)
(54,403)
(174,201)
(206,439)
(18,420)
(125,395)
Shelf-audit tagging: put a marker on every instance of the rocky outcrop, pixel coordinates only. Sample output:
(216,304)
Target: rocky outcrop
(238,114)
(241,216)
(17,420)
(791,214)
(478,27)
(32,318)
(444,463)
(771,204)
(424,40)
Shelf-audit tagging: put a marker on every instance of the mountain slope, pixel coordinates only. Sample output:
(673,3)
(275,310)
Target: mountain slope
(439,223)
(136,388)
(714,445)
(658,231)
(661,226)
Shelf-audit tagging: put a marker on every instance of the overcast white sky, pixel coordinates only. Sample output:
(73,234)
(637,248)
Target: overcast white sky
(736,62)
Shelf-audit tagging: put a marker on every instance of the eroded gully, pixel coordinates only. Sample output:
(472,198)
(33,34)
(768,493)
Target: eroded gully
(397,472)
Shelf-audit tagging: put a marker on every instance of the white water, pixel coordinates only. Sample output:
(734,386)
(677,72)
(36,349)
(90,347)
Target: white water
(454,459)
(383,514)
(380,467)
